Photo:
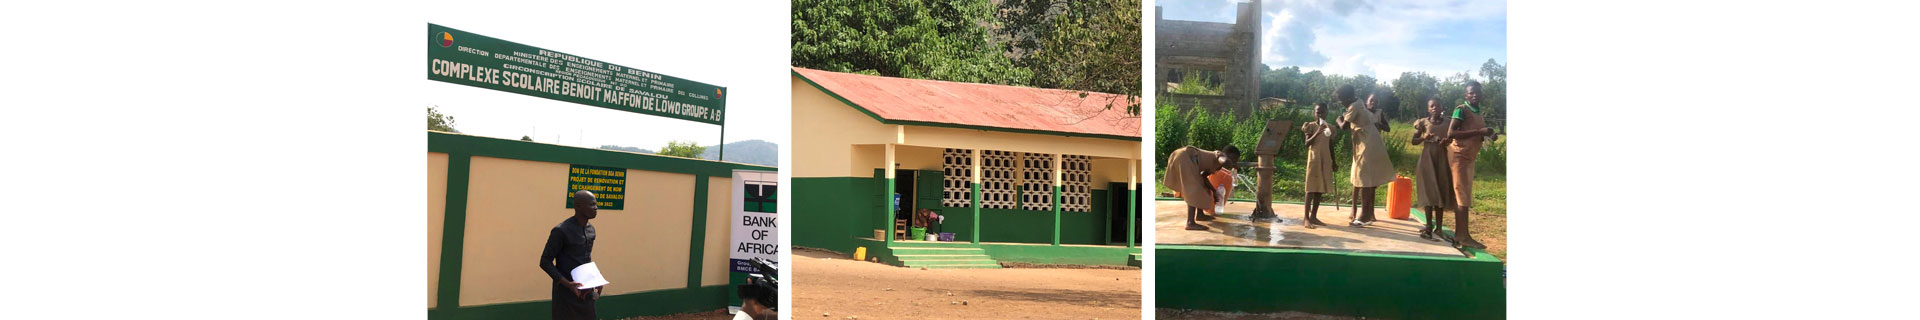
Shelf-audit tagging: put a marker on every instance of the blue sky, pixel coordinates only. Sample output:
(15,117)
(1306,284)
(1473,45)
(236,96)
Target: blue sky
(1377,38)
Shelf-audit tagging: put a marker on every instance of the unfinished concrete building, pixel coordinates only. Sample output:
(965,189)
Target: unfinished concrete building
(1229,52)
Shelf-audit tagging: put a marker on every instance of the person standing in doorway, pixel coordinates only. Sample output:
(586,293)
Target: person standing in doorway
(1371,168)
(569,245)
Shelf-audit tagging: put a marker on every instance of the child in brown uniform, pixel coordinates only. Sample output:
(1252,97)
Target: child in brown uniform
(1319,163)
(1187,170)
(1371,168)
(1432,178)
(1468,131)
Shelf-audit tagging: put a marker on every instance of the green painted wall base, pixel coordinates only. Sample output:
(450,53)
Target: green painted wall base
(1329,282)
(650,303)
(1066,254)
(833,212)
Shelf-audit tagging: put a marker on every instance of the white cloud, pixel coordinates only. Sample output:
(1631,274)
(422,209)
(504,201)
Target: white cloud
(1380,38)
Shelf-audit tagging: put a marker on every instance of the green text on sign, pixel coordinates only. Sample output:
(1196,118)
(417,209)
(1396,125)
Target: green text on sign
(464,58)
(608,184)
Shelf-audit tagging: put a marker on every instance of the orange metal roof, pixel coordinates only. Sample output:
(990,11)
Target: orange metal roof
(981,106)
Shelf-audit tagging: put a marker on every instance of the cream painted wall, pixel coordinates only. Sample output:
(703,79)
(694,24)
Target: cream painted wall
(918,158)
(715,258)
(863,159)
(826,131)
(1107,170)
(512,204)
(1021,142)
(436,220)
(645,248)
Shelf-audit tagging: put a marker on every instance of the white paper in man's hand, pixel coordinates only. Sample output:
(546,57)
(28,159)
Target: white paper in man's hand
(588,275)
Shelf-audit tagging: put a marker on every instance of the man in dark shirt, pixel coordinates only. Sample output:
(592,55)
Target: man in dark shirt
(570,245)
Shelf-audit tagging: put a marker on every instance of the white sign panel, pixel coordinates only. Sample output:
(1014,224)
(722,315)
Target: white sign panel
(755,222)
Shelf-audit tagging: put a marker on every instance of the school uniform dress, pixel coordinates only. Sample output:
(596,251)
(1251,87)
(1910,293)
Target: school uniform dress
(1464,151)
(1319,156)
(1432,177)
(569,245)
(1371,168)
(1185,174)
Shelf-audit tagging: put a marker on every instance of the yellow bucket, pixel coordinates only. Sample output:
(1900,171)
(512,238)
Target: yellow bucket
(860,253)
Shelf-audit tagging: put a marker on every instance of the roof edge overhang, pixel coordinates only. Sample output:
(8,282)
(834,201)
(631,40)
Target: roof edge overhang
(876,117)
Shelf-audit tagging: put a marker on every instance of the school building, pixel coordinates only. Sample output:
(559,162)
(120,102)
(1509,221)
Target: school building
(1020,174)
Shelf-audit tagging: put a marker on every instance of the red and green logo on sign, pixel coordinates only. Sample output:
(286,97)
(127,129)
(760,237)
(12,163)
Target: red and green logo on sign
(446,39)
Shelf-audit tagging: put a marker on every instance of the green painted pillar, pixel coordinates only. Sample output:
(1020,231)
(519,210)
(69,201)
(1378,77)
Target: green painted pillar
(887,204)
(1057,176)
(1133,201)
(976,212)
(886,211)
(1056,215)
(1132,215)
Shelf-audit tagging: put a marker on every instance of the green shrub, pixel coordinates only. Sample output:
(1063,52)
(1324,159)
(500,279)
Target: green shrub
(1246,136)
(1400,154)
(1208,130)
(1194,82)
(1169,131)
(1493,157)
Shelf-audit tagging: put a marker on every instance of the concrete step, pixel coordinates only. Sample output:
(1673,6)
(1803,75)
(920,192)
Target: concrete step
(897,243)
(982,266)
(904,251)
(948,262)
(939,264)
(924,257)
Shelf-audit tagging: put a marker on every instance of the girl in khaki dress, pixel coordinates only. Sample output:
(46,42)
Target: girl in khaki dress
(1371,168)
(1432,180)
(1319,163)
(1187,171)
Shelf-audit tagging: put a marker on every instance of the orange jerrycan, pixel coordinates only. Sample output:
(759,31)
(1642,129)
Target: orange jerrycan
(1400,197)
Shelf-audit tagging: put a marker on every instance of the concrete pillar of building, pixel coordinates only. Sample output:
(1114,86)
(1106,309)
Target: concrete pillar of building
(886,215)
(976,196)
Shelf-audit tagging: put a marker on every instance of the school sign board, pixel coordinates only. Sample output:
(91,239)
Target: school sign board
(608,185)
(755,225)
(464,58)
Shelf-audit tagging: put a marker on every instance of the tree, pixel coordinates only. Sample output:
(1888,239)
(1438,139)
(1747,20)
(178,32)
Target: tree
(437,121)
(683,149)
(1364,85)
(526,138)
(1089,45)
(1413,88)
(947,40)
(1494,92)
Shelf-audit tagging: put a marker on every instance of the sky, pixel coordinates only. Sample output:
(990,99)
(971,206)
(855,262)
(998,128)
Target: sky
(714,42)
(1368,37)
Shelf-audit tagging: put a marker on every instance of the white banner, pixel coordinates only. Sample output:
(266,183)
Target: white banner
(755,222)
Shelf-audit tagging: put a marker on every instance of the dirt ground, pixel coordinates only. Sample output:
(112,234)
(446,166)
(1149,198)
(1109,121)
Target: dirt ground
(720,314)
(828,285)
(1202,314)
